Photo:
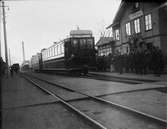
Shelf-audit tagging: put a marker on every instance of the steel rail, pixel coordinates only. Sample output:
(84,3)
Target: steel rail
(109,102)
(92,121)
(113,79)
(137,80)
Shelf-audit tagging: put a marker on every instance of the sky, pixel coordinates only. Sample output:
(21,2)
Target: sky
(39,23)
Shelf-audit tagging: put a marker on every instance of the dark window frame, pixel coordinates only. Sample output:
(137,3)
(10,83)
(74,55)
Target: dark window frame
(146,30)
(139,25)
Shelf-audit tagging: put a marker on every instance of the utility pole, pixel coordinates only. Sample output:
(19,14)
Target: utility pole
(0,29)
(10,62)
(23,52)
(5,36)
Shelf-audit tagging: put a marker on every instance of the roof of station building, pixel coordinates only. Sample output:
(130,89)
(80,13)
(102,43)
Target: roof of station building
(104,40)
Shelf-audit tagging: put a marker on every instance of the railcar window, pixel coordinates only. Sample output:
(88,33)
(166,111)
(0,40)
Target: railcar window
(56,50)
(58,46)
(90,43)
(75,43)
(83,43)
(51,51)
(62,47)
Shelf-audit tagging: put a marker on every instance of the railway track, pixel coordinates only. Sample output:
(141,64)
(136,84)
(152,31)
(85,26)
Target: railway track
(124,78)
(108,78)
(97,101)
(117,79)
(87,118)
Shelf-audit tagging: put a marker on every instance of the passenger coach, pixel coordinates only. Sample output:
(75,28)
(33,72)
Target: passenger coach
(73,54)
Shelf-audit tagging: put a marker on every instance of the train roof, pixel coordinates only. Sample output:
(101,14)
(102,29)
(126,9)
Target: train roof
(80,33)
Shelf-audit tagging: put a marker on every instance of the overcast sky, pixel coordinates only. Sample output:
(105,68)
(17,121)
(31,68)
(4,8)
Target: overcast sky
(39,23)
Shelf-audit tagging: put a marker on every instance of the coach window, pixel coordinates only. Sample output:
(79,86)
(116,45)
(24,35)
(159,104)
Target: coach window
(54,50)
(62,47)
(58,49)
(148,22)
(83,43)
(51,50)
(75,43)
(48,52)
(90,43)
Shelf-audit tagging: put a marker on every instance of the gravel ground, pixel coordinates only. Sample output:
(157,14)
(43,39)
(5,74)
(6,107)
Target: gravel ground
(65,94)
(52,116)
(27,107)
(18,92)
(114,118)
(152,102)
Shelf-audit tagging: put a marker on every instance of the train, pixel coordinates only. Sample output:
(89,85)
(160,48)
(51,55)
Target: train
(75,54)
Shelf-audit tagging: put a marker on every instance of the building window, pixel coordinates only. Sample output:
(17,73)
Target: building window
(128,30)
(117,34)
(137,25)
(148,22)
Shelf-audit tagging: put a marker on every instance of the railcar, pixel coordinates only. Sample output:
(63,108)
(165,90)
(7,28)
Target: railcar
(25,66)
(16,67)
(36,62)
(73,54)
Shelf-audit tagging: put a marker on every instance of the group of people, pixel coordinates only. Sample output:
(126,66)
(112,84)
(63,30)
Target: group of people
(145,61)
(4,69)
(14,69)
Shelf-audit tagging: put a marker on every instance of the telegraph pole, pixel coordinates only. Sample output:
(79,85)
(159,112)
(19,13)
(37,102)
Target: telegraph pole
(10,62)
(0,29)
(5,36)
(23,52)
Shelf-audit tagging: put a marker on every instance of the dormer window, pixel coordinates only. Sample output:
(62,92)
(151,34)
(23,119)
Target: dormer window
(137,5)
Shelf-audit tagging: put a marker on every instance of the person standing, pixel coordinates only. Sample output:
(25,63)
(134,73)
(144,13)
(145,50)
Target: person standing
(11,71)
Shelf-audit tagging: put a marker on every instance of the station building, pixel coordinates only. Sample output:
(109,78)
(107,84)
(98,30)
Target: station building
(137,23)
(105,46)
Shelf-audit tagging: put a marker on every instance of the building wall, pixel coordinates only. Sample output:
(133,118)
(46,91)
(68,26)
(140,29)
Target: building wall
(157,35)
(163,28)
